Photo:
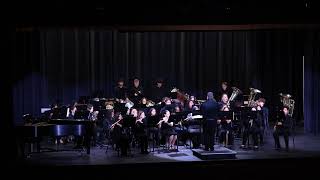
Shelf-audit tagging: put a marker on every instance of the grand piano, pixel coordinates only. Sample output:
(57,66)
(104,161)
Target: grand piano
(56,128)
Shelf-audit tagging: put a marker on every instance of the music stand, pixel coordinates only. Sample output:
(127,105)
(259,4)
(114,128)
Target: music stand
(248,114)
(120,107)
(151,124)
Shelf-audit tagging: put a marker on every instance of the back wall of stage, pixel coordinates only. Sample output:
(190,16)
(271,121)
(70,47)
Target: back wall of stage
(65,63)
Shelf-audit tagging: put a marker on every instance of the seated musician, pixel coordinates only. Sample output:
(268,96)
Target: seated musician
(143,103)
(252,126)
(225,132)
(167,105)
(283,127)
(190,106)
(141,131)
(119,135)
(167,130)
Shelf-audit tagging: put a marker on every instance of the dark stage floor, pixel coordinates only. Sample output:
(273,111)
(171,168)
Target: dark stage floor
(305,146)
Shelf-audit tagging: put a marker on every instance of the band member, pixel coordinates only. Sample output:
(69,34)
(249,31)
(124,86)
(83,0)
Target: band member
(168,130)
(283,127)
(224,89)
(152,112)
(225,132)
(190,106)
(120,91)
(263,114)
(141,132)
(209,110)
(159,91)
(119,135)
(136,91)
(167,105)
(143,103)
(93,116)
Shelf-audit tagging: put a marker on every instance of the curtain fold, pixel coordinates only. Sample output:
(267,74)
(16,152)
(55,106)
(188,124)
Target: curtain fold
(64,64)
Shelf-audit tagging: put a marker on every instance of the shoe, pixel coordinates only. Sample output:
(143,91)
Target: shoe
(287,149)
(255,148)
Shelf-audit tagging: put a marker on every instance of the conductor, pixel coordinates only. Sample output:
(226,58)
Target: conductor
(209,111)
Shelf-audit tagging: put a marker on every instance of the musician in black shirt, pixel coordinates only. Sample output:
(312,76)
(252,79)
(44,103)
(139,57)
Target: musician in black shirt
(141,131)
(158,91)
(167,130)
(224,89)
(209,110)
(283,127)
(120,91)
(136,91)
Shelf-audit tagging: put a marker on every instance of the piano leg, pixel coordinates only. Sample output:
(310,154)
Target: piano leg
(87,141)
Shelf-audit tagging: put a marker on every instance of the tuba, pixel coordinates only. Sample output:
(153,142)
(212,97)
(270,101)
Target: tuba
(234,94)
(287,101)
(252,96)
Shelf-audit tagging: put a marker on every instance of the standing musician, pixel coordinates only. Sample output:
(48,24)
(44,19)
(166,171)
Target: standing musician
(93,116)
(224,124)
(209,110)
(141,131)
(262,114)
(167,130)
(283,127)
(158,91)
(136,91)
(120,91)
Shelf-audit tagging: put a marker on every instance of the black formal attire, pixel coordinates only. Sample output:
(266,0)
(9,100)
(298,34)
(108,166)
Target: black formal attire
(284,130)
(209,109)
(263,115)
(120,93)
(141,133)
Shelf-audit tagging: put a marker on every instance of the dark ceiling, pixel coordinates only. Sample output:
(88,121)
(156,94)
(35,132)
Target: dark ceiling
(165,12)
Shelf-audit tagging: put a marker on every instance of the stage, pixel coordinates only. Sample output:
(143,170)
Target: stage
(305,146)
